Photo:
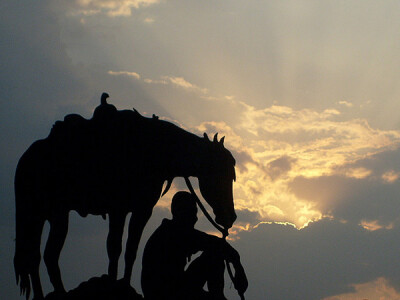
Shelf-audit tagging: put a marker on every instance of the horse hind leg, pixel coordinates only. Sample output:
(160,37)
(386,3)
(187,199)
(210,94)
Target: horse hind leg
(55,242)
(136,225)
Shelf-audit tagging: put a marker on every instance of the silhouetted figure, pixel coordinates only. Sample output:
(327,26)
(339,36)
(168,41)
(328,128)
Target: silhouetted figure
(169,250)
(114,163)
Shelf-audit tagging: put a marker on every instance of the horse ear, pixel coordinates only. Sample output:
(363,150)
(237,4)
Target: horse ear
(216,138)
(206,137)
(221,141)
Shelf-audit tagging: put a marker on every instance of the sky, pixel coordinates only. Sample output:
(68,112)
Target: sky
(305,92)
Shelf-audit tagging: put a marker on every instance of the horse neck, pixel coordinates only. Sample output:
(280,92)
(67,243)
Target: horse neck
(189,157)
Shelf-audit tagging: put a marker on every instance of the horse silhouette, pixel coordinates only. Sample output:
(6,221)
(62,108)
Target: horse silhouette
(114,163)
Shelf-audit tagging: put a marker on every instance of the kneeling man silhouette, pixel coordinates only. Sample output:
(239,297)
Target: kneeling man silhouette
(166,272)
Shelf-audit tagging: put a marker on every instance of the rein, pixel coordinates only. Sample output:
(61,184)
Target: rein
(224,231)
(203,209)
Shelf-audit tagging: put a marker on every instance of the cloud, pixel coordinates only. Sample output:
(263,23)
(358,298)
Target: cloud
(328,258)
(358,173)
(273,168)
(345,103)
(148,80)
(373,225)
(149,20)
(173,80)
(350,199)
(126,73)
(111,8)
(390,176)
(280,166)
(246,216)
(182,82)
(370,200)
(379,288)
(254,189)
(301,165)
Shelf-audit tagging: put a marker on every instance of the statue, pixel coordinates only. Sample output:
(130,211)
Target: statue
(112,164)
(166,274)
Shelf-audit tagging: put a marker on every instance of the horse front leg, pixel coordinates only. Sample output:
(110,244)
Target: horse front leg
(114,242)
(136,225)
(33,244)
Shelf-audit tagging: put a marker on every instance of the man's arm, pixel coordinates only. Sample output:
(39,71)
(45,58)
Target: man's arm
(204,242)
(228,253)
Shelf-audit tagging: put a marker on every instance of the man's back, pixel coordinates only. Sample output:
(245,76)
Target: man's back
(164,259)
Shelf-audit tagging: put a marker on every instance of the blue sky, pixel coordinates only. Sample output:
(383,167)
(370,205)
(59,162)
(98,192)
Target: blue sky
(306,93)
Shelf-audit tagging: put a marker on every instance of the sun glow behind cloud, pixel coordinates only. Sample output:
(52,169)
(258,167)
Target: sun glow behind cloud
(282,143)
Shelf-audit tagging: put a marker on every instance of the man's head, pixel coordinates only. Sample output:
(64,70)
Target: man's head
(184,209)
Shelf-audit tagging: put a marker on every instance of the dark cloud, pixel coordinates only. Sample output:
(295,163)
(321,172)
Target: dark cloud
(243,158)
(356,199)
(349,198)
(320,260)
(245,216)
(381,162)
(280,166)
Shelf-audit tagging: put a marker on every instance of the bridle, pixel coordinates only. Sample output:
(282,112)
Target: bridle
(224,231)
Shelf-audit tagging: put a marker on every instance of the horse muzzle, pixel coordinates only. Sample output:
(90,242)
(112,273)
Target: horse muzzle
(226,220)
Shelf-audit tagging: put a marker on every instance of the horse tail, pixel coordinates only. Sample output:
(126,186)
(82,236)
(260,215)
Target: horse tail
(29,225)
(21,259)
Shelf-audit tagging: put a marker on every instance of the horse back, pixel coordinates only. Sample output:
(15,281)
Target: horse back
(92,167)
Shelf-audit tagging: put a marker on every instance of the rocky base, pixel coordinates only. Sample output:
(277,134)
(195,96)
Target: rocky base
(99,288)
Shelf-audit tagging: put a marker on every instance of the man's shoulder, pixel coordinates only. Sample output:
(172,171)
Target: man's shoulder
(164,226)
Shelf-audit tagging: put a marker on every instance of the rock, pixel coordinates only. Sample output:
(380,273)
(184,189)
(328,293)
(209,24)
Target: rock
(99,288)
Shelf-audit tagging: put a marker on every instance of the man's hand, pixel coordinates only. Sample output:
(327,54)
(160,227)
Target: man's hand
(230,253)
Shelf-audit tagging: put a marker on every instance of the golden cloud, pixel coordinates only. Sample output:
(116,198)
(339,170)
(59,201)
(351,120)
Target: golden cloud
(126,73)
(379,288)
(173,80)
(346,103)
(390,176)
(278,144)
(182,82)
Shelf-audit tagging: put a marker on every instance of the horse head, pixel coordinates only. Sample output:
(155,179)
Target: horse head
(216,181)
